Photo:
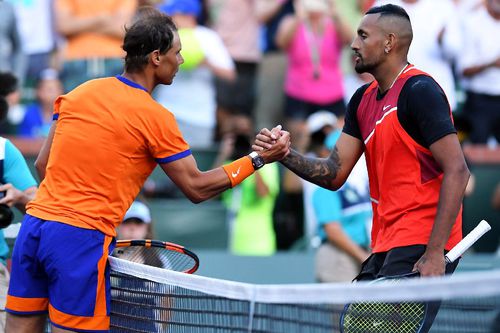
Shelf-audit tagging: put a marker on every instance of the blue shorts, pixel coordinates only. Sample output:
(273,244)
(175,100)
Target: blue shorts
(63,270)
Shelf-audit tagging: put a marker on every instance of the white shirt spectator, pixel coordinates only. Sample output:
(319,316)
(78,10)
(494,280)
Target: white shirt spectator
(35,25)
(480,46)
(428,19)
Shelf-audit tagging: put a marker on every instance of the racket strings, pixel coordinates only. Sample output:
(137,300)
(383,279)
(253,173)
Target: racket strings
(156,257)
(384,317)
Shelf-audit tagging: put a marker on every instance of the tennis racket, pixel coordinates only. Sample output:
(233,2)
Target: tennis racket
(158,254)
(406,317)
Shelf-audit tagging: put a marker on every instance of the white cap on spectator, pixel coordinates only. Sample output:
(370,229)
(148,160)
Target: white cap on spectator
(139,211)
(320,119)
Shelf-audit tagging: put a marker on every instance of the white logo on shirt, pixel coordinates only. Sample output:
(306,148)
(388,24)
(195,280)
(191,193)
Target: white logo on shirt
(386,107)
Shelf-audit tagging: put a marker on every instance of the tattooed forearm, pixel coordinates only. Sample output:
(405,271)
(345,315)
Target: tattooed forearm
(321,171)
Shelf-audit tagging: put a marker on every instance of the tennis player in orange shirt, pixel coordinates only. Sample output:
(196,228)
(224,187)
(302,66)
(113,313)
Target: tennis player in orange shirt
(107,137)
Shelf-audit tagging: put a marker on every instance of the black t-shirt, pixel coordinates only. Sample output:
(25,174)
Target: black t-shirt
(423,111)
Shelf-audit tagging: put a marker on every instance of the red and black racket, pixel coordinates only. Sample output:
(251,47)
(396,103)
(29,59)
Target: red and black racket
(158,254)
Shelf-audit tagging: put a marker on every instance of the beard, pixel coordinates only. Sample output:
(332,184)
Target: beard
(362,67)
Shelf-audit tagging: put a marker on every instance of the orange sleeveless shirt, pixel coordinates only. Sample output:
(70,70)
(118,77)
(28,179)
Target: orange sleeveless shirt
(405,180)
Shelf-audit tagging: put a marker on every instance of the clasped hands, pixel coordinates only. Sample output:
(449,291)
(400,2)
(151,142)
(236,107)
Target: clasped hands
(273,145)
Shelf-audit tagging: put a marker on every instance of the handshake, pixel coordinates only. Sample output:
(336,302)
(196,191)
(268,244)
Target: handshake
(272,145)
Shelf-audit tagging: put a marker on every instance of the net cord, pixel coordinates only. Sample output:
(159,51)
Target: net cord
(421,289)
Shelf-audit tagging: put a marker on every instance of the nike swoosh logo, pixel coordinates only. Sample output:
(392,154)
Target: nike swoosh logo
(235,174)
(378,323)
(386,107)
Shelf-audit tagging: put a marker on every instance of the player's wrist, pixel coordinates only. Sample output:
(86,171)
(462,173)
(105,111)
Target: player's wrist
(257,160)
(238,170)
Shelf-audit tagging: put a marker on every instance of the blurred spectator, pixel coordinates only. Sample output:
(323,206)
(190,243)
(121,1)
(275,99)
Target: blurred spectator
(250,205)
(365,5)
(9,89)
(343,218)
(313,39)
(18,187)
(352,13)
(436,40)
(35,24)
(480,65)
(38,115)
(495,200)
(11,54)
(137,223)
(320,124)
(94,33)
(271,72)
(237,22)
(205,57)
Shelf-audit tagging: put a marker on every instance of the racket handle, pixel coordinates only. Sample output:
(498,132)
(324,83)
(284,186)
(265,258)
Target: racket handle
(467,242)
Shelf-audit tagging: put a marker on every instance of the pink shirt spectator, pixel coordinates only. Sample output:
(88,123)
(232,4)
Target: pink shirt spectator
(301,82)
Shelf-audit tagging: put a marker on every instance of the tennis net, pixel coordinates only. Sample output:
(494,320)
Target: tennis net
(148,299)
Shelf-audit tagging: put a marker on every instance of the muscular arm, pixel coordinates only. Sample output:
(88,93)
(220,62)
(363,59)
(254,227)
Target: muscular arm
(199,185)
(330,172)
(448,154)
(43,155)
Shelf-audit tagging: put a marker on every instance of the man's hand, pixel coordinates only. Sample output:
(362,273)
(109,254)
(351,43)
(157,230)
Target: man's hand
(12,195)
(266,138)
(431,264)
(273,145)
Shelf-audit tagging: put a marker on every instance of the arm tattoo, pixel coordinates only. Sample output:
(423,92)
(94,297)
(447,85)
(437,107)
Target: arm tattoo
(320,171)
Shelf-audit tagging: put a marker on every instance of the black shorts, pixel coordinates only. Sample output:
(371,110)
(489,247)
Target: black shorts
(299,110)
(238,97)
(397,261)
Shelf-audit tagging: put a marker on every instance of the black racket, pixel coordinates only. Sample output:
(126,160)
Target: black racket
(158,254)
(405,317)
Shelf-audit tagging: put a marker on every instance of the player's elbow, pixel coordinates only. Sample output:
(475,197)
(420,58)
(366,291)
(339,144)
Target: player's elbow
(196,199)
(40,166)
(461,173)
(464,173)
(335,184)
(197,196)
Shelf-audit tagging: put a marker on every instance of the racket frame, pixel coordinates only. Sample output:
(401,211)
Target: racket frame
(164,245)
